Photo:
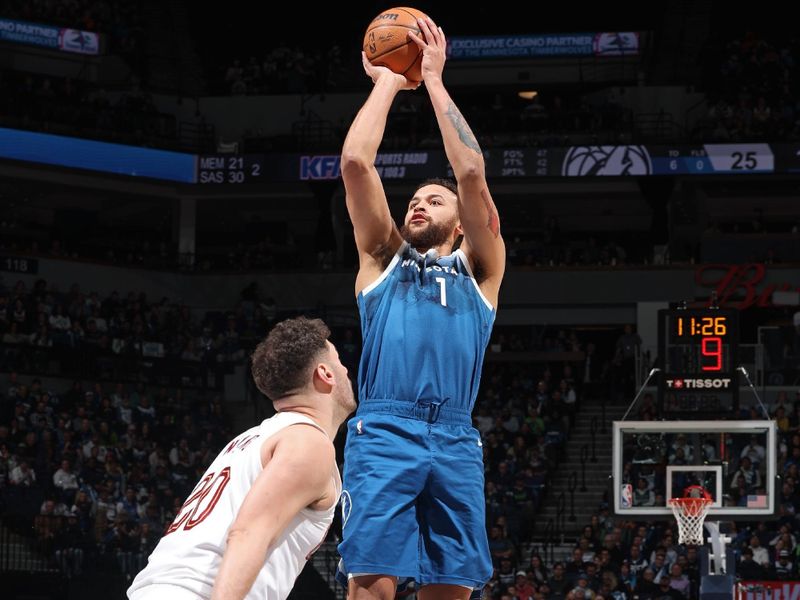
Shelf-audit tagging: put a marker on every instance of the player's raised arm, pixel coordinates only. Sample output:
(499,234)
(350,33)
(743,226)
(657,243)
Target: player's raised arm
(297,475)
(483,243)
(375,231)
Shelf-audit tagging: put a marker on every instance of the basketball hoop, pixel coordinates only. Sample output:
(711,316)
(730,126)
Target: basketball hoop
(690,512)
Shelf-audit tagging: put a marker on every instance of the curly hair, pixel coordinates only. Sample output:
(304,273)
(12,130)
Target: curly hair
(445,183)
(280,363)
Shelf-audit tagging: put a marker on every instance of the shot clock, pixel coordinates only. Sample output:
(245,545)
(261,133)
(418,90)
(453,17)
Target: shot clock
(702,340)
(698,350)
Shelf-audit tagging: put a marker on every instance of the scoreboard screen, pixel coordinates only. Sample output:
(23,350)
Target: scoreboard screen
(507,163)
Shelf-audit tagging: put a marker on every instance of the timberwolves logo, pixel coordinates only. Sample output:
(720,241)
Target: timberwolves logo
(347,506)
(582,161)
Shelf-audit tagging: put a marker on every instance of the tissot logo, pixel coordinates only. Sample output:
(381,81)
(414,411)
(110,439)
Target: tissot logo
(693,384)
(587,161)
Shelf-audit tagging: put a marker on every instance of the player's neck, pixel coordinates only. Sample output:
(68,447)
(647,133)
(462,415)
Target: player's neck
(440,250)
(323,418)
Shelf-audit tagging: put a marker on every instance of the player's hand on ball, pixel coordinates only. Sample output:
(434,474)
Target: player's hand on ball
(375,72)
(433,46)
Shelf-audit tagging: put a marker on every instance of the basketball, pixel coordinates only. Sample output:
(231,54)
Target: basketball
(386,42)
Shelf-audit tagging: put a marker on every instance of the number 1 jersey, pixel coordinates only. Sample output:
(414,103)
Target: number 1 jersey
(425,326)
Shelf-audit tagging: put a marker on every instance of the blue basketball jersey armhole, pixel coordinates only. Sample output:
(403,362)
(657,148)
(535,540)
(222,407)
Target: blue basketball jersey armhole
(386,272)
(462,258)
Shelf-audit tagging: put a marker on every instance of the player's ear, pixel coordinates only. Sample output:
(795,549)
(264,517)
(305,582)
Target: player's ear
(324,374)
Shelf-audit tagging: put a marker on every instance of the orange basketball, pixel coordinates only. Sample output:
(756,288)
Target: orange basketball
(386,42)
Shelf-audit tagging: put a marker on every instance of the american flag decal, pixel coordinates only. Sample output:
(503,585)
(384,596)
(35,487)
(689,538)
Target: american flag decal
(757,501)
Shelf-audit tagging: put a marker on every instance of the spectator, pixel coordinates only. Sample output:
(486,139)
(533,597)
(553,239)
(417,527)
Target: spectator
(559,584)
(129,506)
(760,554)
(593,575)
(505,572)
(785,537)
(646,587)
(783,568)
(659,566)
(14,335)
(666,591)
(679,581)
(59,322)
(615,553)
(754,451)
(588,552)
(23,475)
(680,445)
(582,590)
(52,508)
(500,546)
(70,546)
(66,482)
(569,400)
(746,480)
(523,586)
(627,347)
(643,495)
(538,570)
(637,561)
(748,568)
(574,566)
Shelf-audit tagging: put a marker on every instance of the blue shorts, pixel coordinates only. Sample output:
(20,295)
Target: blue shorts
(413,500)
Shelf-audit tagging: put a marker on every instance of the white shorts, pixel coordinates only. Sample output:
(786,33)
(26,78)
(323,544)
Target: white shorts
(164,591)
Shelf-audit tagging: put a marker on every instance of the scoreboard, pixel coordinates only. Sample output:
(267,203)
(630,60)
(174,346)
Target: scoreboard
(717,158)
(508,163)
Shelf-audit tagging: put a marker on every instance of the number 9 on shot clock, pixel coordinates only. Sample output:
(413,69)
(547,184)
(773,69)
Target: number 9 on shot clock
(698,351)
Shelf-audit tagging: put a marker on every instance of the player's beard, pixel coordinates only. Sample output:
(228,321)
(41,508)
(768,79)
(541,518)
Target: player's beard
(345,397)
(432,236)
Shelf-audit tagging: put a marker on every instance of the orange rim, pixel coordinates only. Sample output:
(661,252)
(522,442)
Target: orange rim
(691,507)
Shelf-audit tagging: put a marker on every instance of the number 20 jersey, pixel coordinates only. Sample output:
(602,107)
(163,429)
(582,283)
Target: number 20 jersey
(425,326)
(190,553)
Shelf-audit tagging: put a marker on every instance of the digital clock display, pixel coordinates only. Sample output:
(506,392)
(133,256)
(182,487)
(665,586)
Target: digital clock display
(703,326)
(710,331)
(699,358)
(698,342)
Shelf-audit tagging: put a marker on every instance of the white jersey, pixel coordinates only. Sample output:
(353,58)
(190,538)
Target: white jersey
(190,553)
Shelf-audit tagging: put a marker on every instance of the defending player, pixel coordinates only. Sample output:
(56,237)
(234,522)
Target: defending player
(266,502)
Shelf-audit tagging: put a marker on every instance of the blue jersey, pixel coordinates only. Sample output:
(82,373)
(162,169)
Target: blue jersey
(425,326)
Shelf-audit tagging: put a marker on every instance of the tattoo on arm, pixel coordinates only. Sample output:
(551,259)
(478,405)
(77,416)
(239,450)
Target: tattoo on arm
(464,132)
(493,221)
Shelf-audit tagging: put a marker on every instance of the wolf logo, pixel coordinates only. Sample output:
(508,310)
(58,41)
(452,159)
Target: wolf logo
(582,161)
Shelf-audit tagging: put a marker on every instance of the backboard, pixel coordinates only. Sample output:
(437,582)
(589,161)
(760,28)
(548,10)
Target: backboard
(735,461)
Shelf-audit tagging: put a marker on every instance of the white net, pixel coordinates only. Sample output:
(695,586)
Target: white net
(690,514)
